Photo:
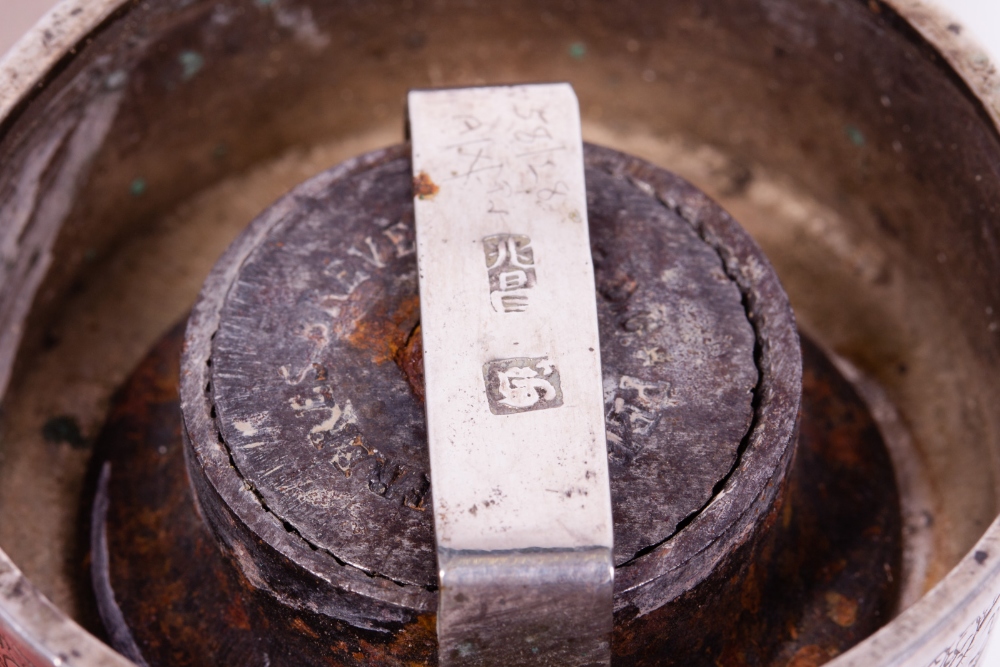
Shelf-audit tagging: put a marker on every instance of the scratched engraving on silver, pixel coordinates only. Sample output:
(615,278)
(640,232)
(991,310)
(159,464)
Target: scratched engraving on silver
(515,405)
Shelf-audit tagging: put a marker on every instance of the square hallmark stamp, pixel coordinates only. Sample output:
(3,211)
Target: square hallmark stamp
(523,384)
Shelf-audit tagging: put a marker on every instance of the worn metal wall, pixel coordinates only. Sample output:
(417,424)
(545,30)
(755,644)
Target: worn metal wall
(981,16)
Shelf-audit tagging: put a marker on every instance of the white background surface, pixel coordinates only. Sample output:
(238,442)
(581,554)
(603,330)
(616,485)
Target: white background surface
(981,17)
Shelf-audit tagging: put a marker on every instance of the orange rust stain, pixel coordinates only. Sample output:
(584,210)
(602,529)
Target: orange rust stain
(787,513)
(428,623)
(410,358)
(302,627)
(750,595)
(841,610)
(413,646)
(844,448)
(236,615)
(383,334)
(731,657)
(809,656)
(424,187)
(836,567)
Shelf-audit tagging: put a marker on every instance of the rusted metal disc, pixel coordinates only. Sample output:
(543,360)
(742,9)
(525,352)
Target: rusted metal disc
(317,397)
(304,352)
(301,385)
(826,578)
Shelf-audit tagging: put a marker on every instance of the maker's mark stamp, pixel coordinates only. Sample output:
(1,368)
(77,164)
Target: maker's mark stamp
(522,385)
(510,262)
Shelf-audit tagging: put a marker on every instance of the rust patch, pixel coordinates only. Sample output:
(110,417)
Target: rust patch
(841,609)
(188,604)
(303,627)
(410,358)
(809,656)
(424,187)
(236,614)
(750,596)
(384,334)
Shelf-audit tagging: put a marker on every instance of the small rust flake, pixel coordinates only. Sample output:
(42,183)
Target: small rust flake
(842,610)
(424,187)
(809,656)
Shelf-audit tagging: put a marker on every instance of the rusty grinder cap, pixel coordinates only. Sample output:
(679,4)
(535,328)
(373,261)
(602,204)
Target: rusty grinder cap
(301,390)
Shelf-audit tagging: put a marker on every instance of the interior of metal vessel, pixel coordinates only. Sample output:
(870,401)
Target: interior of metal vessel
(860,163)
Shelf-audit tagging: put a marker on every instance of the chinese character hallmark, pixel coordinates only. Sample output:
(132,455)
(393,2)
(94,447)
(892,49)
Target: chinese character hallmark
(522,385)
(510,262)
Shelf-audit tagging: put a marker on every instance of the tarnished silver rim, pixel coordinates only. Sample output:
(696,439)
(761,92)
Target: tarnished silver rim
(955,616)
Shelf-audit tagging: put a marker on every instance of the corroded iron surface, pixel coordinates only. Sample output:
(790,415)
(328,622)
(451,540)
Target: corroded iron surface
(167,594)
(295,319)
(825,579)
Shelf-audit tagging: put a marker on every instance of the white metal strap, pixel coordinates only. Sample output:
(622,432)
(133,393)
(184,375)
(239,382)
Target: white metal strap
(515,411)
